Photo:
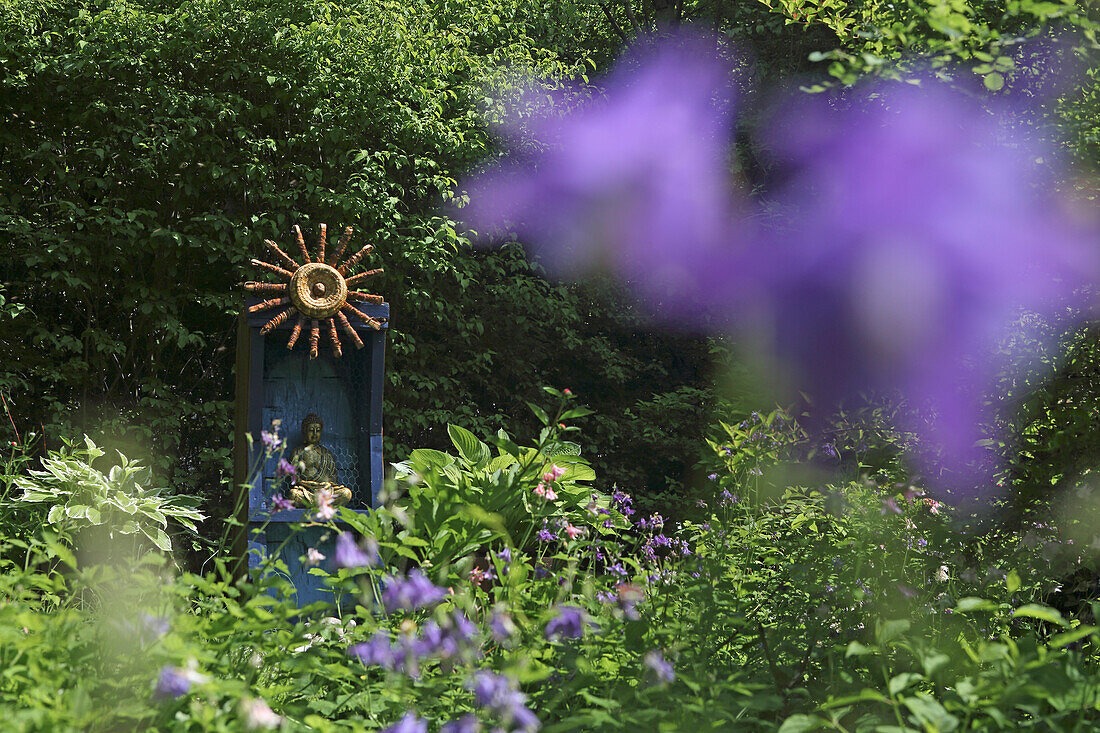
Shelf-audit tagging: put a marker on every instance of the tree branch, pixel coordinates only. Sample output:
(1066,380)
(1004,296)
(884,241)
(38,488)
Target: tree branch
(614,23)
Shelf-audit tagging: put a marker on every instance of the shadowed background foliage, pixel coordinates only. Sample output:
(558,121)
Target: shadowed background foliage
(149,147)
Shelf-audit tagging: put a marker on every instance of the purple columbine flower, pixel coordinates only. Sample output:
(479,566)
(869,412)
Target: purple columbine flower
(466,724)
(545,535)
(498,694)
(712,477)
(153,627)
(918,227)
(349,554)
(409,723)
(661,668)
(501,627)
(379,651)
(281,504)
(568,624)
(410,593)
(286,469)
(636,181)
(172,683)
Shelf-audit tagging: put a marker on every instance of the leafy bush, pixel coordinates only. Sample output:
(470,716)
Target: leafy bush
(851,604)
(79,496)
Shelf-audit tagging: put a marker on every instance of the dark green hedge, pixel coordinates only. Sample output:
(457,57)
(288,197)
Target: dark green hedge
(149,147)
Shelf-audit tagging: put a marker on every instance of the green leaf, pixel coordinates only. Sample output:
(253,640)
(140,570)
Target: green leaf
(855,649)
(900,681)
(994,81)
(1043,613)
(800,723)
(1012,581)
(1060,640)
(889,630)
(539,413)
(469,447)
(971,603)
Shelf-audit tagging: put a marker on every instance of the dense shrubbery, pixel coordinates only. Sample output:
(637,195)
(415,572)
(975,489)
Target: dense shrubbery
(855,604)
(150,147)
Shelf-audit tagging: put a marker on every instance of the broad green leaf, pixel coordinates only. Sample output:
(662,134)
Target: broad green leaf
(1043,613)
(469,447)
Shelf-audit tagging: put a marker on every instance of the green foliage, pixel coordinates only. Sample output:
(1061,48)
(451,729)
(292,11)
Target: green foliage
(151,146)
(857,605)
(122,502)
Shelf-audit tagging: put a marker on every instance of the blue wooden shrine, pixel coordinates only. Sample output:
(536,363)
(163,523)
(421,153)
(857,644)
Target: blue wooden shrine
(277,384)
(283,375)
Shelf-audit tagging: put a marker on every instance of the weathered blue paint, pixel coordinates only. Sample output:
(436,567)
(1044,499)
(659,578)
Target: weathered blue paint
(286,385)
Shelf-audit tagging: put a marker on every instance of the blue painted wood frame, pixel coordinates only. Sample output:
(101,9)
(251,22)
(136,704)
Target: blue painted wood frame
(273,382)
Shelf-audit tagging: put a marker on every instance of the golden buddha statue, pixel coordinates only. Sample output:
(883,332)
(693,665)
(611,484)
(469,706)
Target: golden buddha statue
(316,467)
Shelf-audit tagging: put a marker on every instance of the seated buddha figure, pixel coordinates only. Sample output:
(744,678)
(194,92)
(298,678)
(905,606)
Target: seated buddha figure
(316,467)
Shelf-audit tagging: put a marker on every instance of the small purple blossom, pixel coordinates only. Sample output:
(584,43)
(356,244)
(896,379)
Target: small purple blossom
(545,535)
(349,554)
(501,627)
(466,724)
(568,624)
(409,723)
(499,695)
(712,477)
(378,651)
(661,668)
(411,593)
(153,627)
(172,683)
(281,504)
(286,469)
(271,440)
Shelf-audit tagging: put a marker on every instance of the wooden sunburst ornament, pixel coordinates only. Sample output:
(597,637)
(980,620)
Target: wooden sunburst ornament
(316,291)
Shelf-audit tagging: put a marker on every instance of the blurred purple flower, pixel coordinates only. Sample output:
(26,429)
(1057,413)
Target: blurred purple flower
(280,504)
(568,624)
(379,651)
(635,181)
(286,469)
(272,442)
(409,723)
(410,593)
(916,229)
(348,554)
(501,626)
(172,683)
(890,504)
(153,627)
(466,724)
(661,668)
(498,694)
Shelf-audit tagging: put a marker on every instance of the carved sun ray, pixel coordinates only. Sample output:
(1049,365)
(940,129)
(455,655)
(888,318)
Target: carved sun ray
(316,292)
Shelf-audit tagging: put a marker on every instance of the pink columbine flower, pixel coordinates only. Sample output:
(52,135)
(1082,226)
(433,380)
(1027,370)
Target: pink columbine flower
(573,532)
(933,505)
(326,511)
(314,556)
(258,716)
(555,473)
(540,490)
